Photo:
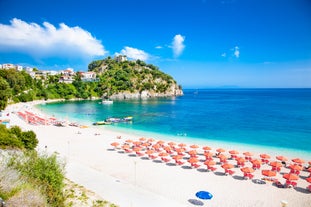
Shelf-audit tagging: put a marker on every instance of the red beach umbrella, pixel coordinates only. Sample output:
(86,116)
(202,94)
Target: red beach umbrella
(150,140)
(268,173)
(142,139)
(227,166)
(194,146)
(160,142)
(192,152)
(295,167)
(308,179)
(206,148)
(290,176)
(149,152)
(233,152)
(114,144)
(163,154)
(298,161)
(264,156)
(136,149)
(180,150)
(220,150)
(276,164)
(240,161)
(193,160)
(247,154)
(182,145)
(256,162)
(171,144)
(247,170)
(208,155)
(177,157)
(281,158)
(209,163)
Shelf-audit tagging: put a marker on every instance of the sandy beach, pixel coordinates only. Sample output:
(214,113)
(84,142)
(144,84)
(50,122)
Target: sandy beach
(132,181)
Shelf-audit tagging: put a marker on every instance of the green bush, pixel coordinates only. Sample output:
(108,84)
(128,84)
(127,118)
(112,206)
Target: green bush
(44,171)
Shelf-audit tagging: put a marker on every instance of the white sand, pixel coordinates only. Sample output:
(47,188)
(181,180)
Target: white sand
(134,182)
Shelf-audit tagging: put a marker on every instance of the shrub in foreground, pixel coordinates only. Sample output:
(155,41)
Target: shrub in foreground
(44,171)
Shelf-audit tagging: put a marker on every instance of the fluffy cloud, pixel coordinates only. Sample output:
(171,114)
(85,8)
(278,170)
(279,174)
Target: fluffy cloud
(134,53)
(236,52)
(178,45)
(49,41)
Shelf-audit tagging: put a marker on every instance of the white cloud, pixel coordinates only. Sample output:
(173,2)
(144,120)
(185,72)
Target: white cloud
(49,41)
(134,53)
(224,54)
(178,45)
(159,47)
(236,52)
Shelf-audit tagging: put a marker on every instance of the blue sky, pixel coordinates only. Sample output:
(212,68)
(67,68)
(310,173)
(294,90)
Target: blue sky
(201,43)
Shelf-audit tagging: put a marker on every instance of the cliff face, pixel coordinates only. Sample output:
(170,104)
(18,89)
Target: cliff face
(174,91)
(122,79)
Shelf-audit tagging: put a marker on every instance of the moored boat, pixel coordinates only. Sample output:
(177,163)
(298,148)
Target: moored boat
(102,123)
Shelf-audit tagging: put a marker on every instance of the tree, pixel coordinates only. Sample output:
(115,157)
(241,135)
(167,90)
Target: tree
(5,93)
(29,140)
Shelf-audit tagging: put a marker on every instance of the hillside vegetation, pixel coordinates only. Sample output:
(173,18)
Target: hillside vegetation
(134,78)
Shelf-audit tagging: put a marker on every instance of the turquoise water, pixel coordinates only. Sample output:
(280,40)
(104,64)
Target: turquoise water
(277,118)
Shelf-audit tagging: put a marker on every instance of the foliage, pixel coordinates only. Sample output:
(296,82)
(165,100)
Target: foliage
(16,138)
(113,77)
(5,93)
(44,171)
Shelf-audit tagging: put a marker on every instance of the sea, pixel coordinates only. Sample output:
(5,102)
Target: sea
(266,120)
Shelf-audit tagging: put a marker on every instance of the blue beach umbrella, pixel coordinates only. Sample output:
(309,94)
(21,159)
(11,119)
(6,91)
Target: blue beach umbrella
(204,195)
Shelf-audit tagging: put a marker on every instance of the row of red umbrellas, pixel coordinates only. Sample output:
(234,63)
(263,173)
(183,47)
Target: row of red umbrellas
(150,148)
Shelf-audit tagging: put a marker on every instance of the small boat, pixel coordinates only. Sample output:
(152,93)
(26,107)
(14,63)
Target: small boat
(118,120)
(102,123)
(106,101)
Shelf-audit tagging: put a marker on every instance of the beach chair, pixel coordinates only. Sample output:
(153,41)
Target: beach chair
(164,159)
(231,172)
(139,153)
(178,162)
(294,184)
(248,176)
(195,165)
(152,157)
(211,168)
(288,184)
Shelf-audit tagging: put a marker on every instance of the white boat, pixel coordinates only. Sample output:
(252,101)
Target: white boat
(107,102)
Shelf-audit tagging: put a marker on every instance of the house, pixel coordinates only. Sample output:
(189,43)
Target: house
(88,76)
(66,79)
(8,66)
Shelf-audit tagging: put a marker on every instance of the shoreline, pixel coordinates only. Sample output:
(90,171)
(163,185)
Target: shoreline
(131,181)
(214,143)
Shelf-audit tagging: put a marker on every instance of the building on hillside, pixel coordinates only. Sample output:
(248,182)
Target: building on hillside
(88,76)
(8,66)
(66,79)
(68,71)
(19,67)
(120,58)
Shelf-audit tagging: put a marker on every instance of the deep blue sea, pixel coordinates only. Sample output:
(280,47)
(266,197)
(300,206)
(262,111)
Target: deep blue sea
(279,118)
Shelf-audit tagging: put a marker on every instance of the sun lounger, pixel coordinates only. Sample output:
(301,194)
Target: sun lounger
(195,165)
(178,162)
(164,159)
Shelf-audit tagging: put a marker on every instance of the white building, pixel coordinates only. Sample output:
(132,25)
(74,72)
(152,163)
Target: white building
(8,66)
(19,67)
(120,58)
